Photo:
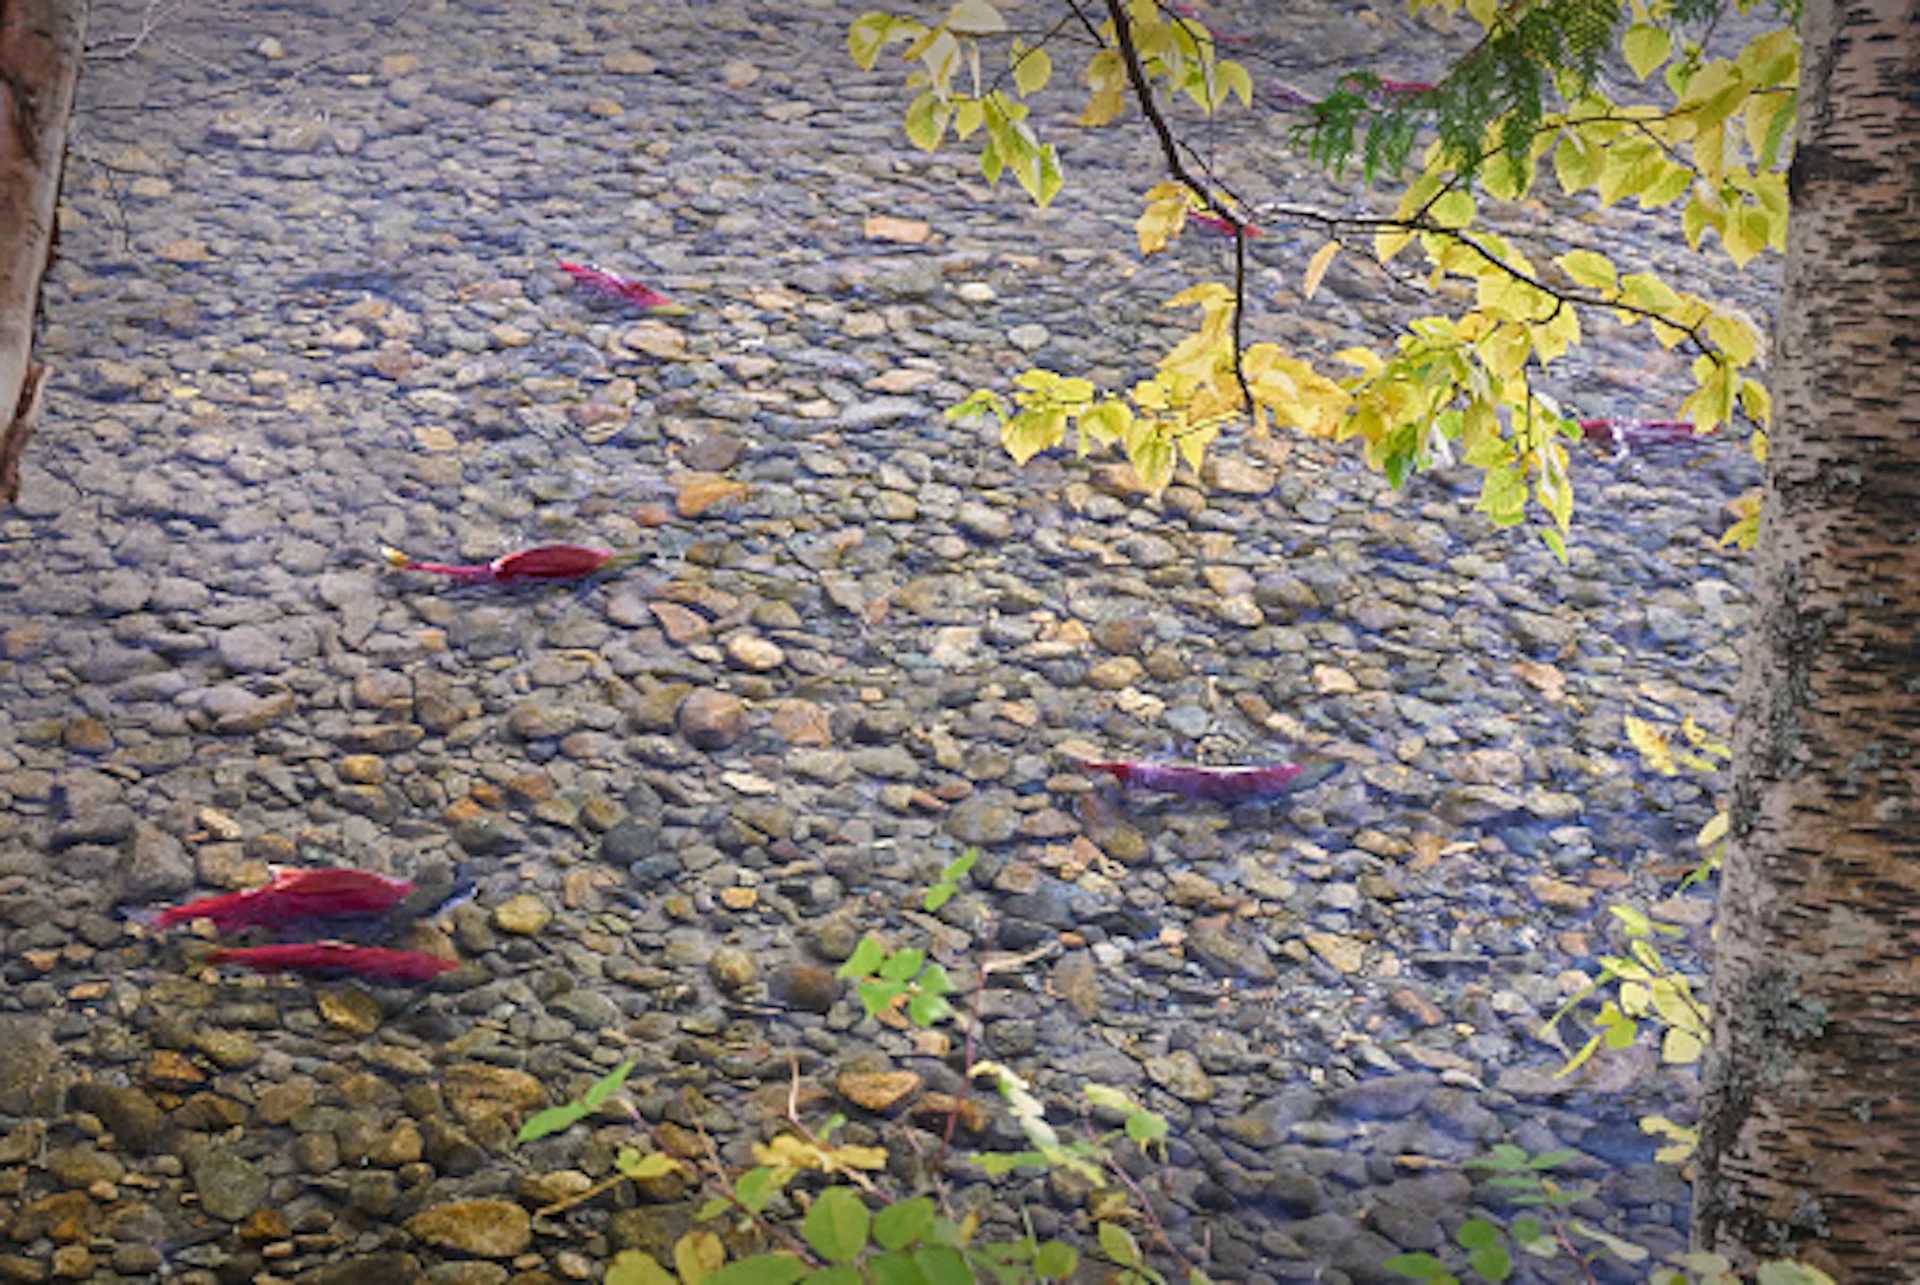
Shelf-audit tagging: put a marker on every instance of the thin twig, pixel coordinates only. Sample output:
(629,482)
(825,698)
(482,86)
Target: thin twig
(1154,1225)
(966,1056)
(722,1188)
(1170,151)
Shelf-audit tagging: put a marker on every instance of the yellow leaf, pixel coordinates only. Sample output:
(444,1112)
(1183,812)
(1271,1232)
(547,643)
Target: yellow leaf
(854,1157)
(1681,1048)
(1454,210)
(1712,832)
(1738,340)
(1365,358)
(654,1164)
(1234,79)
(1578,161)
(1587,268)
(1317,267)
(927,120)
(1159,223)
(1032,69)
(698,1255)
(1698,737)
(1388,244)
(632,1267)
(698,492)
(967,117)
(1645,47)
(1651,745)
(1757,404)
(1102,106)
(975,18)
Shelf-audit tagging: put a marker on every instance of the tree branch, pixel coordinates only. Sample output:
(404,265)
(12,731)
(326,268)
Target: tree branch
(1170,151)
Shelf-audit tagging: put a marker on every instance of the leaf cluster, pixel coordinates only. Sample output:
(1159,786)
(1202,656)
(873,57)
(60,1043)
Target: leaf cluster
(1650,990)
(1454,387)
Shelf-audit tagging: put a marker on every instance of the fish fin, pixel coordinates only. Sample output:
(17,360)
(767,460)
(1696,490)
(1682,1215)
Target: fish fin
(1313,773)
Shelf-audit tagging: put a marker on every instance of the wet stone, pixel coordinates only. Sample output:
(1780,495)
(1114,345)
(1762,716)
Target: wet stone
(483,1228)
(230,1187)
(712,720)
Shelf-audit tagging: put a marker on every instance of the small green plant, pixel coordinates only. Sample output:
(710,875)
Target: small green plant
(1528,1178)
(821,1203)
(886,980)
(1651,989)
(1712,1269)
(567,1114)
(948,884)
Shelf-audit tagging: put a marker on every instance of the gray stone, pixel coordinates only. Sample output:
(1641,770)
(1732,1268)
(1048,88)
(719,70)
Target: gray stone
(250,649)
(982,819)
(1386,1097)
(230,1186)
(33,1077)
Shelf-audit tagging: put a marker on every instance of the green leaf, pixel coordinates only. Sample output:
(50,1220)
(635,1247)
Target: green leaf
(1476,1233)
(903,964)
(631,1267)
(607,1085)
(1625,1250)
(1491,1261)
(924,1009)
(1145,1126)
(552,1120)
(756,1188)
(903,1222)
(842,1275)
(1788,1273)
(865,960)
(1118,1244)
(761,1269)
(895,1268)
(1056,1261)
(942,1265)
(1419,1267)
(996,1163)
(937,896)
(877,996)
(1502,1155)
(836,1226)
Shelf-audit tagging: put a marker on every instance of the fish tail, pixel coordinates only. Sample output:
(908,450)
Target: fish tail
(1312,773)
(155,918)
(1118,769)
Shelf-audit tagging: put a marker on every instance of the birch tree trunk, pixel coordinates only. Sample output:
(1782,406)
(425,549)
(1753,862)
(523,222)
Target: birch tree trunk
(1810,1134)
(40,52)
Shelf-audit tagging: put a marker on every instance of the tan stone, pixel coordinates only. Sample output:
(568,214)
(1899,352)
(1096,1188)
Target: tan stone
(877,1090)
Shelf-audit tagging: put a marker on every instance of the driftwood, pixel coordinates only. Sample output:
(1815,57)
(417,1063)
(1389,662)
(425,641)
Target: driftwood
(40,53)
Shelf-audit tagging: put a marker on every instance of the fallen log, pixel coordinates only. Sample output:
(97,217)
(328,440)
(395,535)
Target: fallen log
(41,45)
